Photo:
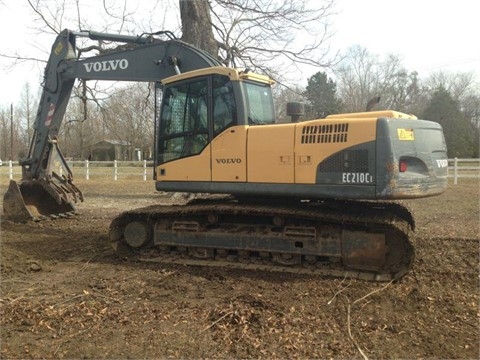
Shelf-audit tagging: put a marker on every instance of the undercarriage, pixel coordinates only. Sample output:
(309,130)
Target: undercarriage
(355,239)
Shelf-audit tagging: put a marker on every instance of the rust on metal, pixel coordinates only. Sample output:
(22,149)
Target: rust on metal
(363,250)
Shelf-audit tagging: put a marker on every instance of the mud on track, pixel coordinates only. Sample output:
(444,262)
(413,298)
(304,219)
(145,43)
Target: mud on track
(64,294)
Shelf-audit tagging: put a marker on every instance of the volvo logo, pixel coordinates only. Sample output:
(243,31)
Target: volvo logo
(229,161)
(442,163)
(108,65)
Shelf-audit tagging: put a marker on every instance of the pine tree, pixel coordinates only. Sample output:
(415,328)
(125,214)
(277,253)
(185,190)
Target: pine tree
(321,92)
(459,136)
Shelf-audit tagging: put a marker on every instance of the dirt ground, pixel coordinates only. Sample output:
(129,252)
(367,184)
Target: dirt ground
(65,294)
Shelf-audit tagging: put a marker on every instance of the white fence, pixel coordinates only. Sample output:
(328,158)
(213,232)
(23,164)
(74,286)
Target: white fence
(463,168)
(114,168)
(94,169)
(457,168)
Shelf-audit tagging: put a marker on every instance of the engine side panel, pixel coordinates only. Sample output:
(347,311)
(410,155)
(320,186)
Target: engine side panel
(270,154)
(322,141)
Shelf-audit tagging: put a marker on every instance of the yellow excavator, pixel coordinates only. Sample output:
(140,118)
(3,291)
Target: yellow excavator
(312,196)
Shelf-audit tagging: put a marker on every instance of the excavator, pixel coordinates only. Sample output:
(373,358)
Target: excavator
(319,196)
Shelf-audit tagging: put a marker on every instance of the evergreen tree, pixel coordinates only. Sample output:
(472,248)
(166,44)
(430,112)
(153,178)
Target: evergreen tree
(321,92)
(459,136)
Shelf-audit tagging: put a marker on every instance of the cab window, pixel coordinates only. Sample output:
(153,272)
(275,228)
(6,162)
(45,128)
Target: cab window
(193,112)
(184,120)
(224,108)
(260,103)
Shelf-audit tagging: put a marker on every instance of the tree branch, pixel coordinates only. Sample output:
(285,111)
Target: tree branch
(39,13)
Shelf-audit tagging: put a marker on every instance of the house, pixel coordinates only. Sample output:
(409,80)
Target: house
(109,150)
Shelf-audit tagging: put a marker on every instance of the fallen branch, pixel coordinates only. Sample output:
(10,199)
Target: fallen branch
(97,293)
(339,291)
(11,301)
(218,320)
(84,266)
(349,320)
(350,331)
(58,348)
(373,292)
(67,300)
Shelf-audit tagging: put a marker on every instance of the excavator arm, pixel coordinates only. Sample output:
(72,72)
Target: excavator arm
(46,187)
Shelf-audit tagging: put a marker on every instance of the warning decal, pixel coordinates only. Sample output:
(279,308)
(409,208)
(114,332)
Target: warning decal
(51,111)
(405,134)
(58,49)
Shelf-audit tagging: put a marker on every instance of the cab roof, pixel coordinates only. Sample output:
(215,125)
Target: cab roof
(234,74)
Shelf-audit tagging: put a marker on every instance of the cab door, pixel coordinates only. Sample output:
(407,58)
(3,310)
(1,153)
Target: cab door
(184,136)
(228,147)
(229,161)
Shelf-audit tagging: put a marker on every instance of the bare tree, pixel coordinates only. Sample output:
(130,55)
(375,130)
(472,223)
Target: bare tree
(197,25)
(471,108)
(282,96)
(4,133)
(356,79)
(266,34)
(459,85)
(247,32)
(363,76)
(132,122)
(27,111)
(11,134)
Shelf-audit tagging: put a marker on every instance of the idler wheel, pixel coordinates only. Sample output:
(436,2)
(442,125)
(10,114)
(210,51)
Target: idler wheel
(137,234)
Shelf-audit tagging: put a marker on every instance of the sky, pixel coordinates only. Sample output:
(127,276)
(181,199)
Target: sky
(427,35)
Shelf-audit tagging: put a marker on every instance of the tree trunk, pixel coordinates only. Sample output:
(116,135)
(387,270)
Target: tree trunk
(197,25)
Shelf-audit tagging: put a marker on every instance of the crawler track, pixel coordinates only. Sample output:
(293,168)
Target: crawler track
(365,240)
